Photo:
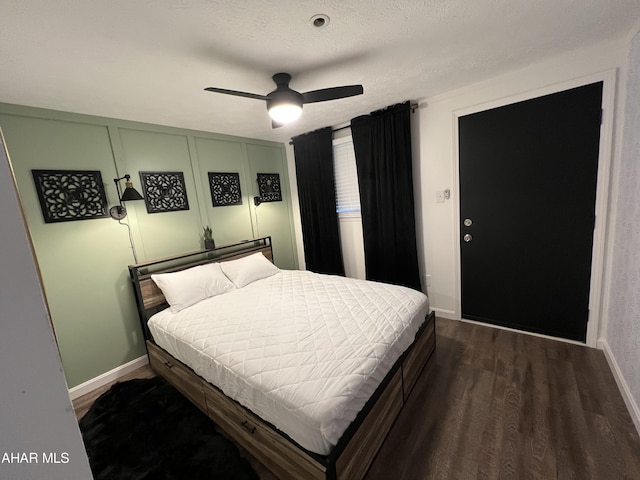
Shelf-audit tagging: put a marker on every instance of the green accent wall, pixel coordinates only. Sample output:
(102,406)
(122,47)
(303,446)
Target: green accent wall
(83,264)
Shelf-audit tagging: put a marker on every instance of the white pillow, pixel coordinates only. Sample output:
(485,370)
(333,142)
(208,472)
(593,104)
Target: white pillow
(186,287)
(248,269)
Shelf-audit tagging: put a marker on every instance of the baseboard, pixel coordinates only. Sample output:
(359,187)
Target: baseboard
(448,314)
(632,406)
(107,377)
(523,332)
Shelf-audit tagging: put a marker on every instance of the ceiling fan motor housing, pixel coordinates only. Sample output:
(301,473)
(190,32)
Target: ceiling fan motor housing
(283,96)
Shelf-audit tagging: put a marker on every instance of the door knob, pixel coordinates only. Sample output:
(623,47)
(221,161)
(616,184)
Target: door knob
(468,222)
(467,238)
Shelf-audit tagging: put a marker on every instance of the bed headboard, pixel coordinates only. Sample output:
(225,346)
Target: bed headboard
(149,298)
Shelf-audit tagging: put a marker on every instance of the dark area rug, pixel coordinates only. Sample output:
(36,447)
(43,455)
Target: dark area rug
(145,429)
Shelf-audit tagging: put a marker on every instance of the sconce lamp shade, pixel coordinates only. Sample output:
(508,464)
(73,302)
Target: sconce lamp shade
(130,193)
(118,212)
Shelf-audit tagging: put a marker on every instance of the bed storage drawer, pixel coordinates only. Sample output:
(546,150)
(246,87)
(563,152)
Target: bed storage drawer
(418,356)
(258,438)
(362,448)
(177,375)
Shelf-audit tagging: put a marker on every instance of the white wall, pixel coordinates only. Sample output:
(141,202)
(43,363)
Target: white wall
(37,422)
(621,340)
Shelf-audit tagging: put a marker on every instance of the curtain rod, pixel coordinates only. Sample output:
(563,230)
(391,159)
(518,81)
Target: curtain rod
(413,107)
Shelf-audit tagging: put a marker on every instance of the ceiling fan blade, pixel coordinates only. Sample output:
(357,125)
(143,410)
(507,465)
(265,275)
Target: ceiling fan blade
(236,93)
(334,93)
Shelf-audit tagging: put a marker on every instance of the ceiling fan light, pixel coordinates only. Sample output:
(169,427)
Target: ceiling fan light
(285,112)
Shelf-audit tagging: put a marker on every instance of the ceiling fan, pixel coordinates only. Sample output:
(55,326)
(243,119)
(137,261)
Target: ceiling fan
(285,105)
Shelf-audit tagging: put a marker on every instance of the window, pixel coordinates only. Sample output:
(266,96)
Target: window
(346,178)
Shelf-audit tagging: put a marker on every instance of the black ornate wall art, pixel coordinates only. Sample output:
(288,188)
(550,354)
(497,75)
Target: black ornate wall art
(67,195)
(269,186)
(225,189)
(164,191)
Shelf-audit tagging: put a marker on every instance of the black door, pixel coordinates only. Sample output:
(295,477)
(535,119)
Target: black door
(528,176)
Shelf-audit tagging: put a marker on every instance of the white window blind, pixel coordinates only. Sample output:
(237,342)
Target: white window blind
(346,177)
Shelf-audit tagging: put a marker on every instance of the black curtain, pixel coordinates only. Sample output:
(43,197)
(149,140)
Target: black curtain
(382,144)
(317,197)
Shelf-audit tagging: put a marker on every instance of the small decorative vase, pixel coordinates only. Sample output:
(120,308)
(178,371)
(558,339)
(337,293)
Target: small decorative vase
(209,244)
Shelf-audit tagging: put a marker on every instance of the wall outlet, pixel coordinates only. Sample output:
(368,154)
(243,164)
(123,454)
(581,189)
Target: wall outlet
(427,280)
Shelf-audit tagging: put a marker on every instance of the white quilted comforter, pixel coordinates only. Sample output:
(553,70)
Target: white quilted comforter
(303,351)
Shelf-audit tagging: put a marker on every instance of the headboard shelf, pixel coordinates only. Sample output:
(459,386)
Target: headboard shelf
(149,297)
(220,251)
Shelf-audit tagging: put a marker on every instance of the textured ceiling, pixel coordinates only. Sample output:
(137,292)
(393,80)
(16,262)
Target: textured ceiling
(149,60)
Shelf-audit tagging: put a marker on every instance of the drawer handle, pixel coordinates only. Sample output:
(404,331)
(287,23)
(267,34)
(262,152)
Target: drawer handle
(248,427)
(168,364)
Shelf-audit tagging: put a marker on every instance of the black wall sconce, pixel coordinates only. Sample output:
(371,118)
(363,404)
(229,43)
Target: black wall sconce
(118,212)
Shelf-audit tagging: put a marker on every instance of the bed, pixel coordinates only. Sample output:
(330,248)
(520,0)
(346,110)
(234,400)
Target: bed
(306,372)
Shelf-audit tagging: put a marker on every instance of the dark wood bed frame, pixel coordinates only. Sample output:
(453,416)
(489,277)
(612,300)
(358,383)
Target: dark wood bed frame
(351,457)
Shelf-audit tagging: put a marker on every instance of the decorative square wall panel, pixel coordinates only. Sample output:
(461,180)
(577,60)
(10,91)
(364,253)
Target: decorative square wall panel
(269,186)
(225,189)
(67,195)
(164,191)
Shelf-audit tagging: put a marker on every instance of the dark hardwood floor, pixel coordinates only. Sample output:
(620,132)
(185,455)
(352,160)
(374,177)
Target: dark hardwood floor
(498,404)
(494,404)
